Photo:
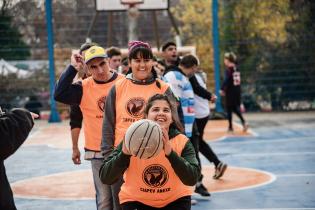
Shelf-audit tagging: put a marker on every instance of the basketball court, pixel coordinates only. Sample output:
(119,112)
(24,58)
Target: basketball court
(270,167)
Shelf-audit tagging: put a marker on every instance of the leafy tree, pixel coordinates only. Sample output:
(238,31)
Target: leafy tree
(12,45)
(196,21)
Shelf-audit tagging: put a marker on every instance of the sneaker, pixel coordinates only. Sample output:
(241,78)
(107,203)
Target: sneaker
(230,130)
(245,127)
(193,202)
(202,190)
(219,170)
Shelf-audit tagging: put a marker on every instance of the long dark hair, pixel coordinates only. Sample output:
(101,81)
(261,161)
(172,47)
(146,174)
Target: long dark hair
(176,123)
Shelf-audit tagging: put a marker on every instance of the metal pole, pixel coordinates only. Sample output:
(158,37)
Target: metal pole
(133,14)
(216,53)
(177,37)
(54,115)
(156,30)
(88,38)
(110,29)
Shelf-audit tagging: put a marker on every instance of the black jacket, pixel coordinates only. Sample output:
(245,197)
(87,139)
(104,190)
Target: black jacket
(232,87)
(14,129)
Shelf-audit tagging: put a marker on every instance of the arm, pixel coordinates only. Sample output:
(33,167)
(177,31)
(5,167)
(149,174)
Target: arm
(76,117)
(186,166)
(67,92)
(176,101)
(198,89)
(76,124)
(225,81)
(14,129)
(75,133)
(114,166)
(109,122)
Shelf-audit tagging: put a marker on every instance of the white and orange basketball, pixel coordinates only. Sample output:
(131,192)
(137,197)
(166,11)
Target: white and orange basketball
(143,139)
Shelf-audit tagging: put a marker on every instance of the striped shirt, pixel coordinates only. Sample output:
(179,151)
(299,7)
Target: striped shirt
(182,89)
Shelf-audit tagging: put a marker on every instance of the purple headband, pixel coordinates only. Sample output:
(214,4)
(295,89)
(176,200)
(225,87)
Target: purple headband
(135,44)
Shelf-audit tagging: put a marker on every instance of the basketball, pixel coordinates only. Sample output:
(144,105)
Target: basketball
(143,139)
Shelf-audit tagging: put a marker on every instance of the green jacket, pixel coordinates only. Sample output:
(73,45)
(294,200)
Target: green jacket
(185,166)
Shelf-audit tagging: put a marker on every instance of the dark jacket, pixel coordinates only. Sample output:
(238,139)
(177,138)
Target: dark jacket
(76,117)
(232,87)
(14,129)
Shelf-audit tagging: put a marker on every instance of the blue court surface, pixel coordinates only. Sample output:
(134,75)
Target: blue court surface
(283,148)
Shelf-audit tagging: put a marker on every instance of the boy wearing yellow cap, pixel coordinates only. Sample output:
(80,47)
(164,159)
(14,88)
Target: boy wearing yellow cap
(90,94)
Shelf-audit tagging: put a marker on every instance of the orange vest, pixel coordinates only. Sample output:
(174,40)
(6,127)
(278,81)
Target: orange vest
(131,99)
(153,181)
(92,107)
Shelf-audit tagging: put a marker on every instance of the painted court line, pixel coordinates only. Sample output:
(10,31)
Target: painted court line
(17,195)
(272,209)
(225,136)
(294,175)
(274,154)
(273,178)
(263,141)
(250,131)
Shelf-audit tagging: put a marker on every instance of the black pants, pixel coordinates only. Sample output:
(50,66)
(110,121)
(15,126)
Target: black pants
(194,139)
(205,148)
(236,110)
(183,203)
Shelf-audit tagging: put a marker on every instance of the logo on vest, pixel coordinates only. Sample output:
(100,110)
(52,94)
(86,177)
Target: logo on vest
(135,107)
(101,103)
(155,176)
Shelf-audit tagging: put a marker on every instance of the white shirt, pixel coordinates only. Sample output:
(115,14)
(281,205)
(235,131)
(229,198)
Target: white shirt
(201,106)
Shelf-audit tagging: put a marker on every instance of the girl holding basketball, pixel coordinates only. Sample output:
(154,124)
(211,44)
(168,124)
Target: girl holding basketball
(162,182)
(126,101)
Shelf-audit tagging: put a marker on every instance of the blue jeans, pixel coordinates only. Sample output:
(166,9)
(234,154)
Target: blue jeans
(106,195)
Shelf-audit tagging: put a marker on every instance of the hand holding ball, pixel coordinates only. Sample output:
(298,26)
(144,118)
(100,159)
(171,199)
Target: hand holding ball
(143,139)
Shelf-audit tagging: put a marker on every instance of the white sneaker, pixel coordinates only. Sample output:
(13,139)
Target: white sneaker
(193,202)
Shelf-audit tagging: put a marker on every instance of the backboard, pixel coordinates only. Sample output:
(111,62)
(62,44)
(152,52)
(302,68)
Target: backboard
(122,5)
(128,2)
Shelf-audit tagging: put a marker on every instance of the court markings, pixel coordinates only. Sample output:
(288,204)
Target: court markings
(271,209)
(78,185)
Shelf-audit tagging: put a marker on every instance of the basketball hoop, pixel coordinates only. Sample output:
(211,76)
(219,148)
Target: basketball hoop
(132,7)
(124,5)
(131,3)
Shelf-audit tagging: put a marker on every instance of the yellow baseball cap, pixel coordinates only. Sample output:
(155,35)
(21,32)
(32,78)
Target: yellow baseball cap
(94,52)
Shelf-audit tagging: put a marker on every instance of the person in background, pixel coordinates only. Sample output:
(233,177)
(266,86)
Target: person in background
(15,125)
(231,89)
(202,112)
(177,165)
(159,68)
(178,79)
(114,58)
(171,61)
(124,66)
